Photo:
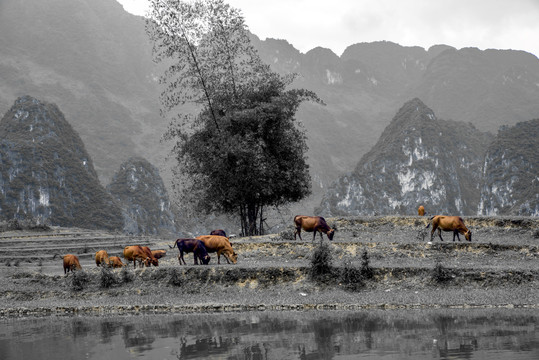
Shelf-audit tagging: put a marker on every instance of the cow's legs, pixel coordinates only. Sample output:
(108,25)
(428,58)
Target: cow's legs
(440,234)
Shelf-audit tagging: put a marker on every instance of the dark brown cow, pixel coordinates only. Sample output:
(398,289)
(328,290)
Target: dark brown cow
(115,262)
(218,232)
(449,223)
(134,253)
(312,224)
(220,245)
(421,210)
(195,246)
(71,263)
(102,258)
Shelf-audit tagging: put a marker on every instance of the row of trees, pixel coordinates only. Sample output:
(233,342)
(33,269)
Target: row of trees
(241,150)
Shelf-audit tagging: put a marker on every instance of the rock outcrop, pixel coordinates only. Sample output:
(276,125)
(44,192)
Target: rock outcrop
(140,190)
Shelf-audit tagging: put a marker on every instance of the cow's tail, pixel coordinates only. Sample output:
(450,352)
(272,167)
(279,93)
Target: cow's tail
(430,220)
(175,244)
(55,255)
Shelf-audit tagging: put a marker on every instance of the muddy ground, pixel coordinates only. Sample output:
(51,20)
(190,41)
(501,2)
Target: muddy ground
(375,262)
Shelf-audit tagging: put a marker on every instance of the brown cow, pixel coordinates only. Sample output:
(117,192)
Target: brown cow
(71,263)
(116,262)
(449,223)
(312,224)
(102,258)
(421,210)
(153,259)
(220,245)
(134,253)
(158,254)
(219,232)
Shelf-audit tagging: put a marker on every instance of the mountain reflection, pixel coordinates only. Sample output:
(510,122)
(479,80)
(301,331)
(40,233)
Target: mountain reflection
(439,334)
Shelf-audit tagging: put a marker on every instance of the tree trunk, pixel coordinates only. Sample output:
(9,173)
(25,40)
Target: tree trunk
(249,216)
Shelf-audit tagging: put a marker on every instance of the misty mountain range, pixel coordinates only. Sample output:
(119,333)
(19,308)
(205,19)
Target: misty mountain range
(93,60)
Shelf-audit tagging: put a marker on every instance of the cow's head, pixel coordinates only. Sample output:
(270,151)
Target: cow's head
(232,257)
(468,235)
(330,234)
(205,259)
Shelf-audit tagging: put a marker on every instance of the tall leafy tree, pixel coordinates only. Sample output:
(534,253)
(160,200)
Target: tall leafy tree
(241,149)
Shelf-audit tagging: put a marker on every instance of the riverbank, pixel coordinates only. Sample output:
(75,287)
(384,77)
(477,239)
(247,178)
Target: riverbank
(499,268)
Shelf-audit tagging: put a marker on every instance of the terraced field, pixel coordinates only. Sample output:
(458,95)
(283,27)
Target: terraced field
(500,267)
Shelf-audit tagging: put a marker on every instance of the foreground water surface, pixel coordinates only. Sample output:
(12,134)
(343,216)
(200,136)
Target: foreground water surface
(369,334)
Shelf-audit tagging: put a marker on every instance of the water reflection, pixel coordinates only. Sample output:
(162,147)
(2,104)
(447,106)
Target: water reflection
(435,334)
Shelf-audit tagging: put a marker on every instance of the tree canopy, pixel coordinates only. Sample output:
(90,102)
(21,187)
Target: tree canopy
(242,149)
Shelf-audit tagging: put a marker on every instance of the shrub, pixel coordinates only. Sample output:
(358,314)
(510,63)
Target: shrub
(287,234)
(107,279)
(79,279)
(321,269)
(175,278)
(366,270)
(441,274)
(125,275)
(351,277)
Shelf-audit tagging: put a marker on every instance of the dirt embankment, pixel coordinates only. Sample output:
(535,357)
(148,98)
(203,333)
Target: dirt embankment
(372,262)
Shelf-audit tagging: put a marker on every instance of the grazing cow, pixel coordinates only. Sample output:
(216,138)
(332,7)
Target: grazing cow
(102,258)
(195,246)
(115,262)
(449,223)
(218,232)
(312,224)
(220,245)
(421,210)
(153,259)
(158,254)
(134,253)
(71,263)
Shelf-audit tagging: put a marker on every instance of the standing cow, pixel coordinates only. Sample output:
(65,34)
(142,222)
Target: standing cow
(102,258)
(71,263)
(195,246)
(449,223)
(136,253)
(312,224)
(220,245)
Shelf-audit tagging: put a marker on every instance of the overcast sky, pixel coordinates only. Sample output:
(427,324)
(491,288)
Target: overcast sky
(306,24)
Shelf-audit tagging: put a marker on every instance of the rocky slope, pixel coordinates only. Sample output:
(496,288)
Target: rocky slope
(139,188)
(419,159)
(46,172)
(510,181)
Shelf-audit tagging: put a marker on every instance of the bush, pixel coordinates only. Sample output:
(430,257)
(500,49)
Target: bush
(175,278)
(351,278)
(441,274)
(107,279)
(287,234)
(321,269)
(366,270)
(79,279)
(126,276)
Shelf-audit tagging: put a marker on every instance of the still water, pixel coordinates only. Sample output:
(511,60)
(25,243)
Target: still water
(369,334)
